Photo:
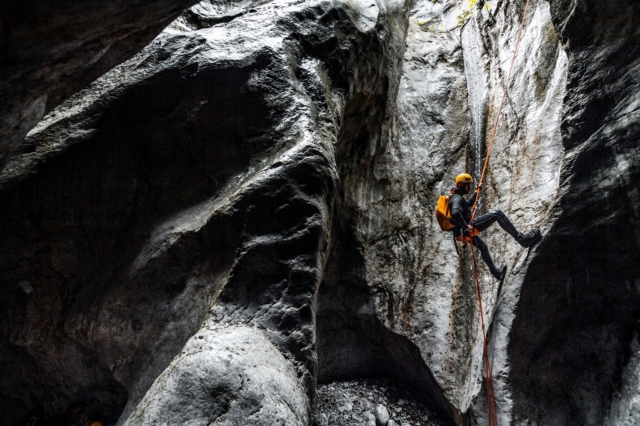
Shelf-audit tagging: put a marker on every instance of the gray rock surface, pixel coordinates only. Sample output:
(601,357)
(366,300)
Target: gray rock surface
(245,209)
(321,419)
(524,185)
(418,288)
(573,331)
(49,50)
(225,376)
(155,229)
(625,403)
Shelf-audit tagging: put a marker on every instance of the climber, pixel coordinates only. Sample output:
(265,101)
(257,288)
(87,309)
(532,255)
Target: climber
(461,216)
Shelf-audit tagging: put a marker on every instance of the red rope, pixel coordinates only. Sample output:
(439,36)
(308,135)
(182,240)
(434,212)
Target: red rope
(492,408)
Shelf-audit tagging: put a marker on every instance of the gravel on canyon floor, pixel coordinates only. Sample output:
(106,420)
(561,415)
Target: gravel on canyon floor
(371,402)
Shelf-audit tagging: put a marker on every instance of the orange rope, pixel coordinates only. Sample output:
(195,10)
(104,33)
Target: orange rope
(495,126)
(491,399)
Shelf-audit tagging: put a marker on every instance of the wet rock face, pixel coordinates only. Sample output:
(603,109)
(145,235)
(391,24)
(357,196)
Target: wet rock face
(414,284)
(245,209)
(577,322)
(377,274)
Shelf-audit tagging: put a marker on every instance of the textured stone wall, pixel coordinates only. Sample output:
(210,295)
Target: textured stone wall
(49,50)
(577,316)
(185,176)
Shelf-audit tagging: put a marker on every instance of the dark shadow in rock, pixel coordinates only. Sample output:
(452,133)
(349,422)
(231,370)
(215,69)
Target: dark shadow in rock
(49,50)
(579,307)
(580,304)
(77,319)
(352,344)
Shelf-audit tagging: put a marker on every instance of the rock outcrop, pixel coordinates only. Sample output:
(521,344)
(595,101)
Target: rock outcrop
(245,208)
(123,274)
(576,324)
(50,49)
(234,375)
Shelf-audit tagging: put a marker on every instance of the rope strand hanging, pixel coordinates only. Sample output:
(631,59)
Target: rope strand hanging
(492,414)
(504,96)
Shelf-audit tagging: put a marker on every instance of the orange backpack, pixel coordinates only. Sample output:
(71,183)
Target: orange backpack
(443,213)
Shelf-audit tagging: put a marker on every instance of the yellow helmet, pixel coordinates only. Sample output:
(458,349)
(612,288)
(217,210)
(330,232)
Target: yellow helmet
(464,178)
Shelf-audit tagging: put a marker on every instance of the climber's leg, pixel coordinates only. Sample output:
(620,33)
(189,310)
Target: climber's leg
(486,220)
(484,250)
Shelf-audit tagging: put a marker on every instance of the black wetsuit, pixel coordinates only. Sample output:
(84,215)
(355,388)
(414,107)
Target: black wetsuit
(461,211)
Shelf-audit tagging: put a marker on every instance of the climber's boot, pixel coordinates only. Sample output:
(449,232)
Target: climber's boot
(527,240)
(500,273)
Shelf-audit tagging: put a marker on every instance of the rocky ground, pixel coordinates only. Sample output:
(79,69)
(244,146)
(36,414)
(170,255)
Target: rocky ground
(371,402)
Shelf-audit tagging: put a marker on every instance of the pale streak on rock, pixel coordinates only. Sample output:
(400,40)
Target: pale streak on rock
(625,404)
(363,13)
(524,173)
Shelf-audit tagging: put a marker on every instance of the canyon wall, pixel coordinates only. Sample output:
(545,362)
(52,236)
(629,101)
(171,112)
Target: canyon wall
(245,208)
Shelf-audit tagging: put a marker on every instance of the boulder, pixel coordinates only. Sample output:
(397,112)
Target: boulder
(231,375)
(382,415)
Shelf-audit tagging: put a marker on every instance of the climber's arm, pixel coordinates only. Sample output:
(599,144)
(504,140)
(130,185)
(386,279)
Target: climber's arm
(472,199)
(457,218)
